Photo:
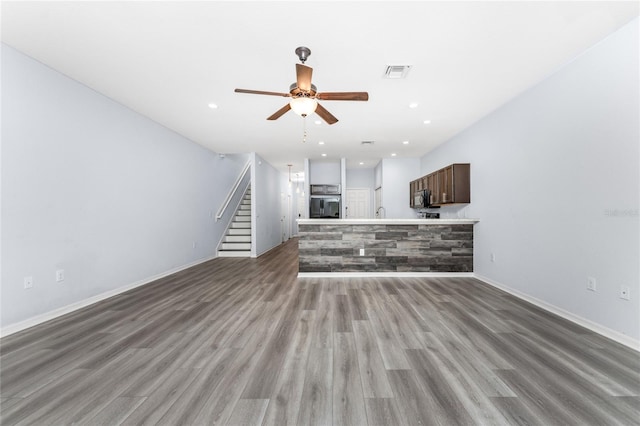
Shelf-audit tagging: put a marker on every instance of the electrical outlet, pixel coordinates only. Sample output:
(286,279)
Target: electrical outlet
(28,282)
(493,257)
(361,252)
(194,244)
(591,283)
(625,292)
(60,275)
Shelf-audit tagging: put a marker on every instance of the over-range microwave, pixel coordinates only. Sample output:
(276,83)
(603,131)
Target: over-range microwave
(422,199)
(325,189)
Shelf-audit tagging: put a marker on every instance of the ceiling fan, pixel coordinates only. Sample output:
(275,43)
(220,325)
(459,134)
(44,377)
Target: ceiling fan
(304,95)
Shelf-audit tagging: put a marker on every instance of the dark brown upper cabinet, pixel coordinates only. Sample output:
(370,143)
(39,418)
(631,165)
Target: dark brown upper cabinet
(449,185)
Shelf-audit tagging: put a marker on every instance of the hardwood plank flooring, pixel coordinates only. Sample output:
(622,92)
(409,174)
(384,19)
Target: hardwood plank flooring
(246,342)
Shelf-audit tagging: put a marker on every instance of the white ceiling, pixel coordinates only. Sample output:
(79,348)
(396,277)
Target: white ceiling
(168,60)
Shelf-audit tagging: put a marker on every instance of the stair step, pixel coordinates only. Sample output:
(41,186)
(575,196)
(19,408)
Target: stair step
(241,225)
(239,231)
(235,246)
(237,239)
(244,253)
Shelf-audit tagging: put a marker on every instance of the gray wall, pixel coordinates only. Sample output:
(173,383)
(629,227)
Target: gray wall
(93,188)
(324,171)
(377,175)
(266,191)
(361,178)
(396,175)
(555,184)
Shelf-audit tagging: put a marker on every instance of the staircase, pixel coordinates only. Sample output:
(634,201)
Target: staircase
(237,240)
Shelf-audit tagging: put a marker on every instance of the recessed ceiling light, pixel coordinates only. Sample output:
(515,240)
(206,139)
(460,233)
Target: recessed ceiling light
(361,163)
(324,155)
(393,154)
(413,105)
(321,143)
(396,71)
(318,122)
(212,105)
(427,121)
(405,142)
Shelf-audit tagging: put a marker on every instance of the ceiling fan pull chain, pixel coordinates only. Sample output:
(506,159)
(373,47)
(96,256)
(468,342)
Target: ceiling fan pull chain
(304,129)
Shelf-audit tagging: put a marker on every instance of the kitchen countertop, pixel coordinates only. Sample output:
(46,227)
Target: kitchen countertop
(387,221)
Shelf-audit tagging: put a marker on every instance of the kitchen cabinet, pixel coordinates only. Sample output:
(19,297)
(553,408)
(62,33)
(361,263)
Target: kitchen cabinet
(413,188)
(432,186)
(449,185)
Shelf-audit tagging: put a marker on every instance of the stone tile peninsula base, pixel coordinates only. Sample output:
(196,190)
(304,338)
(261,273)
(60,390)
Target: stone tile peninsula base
(385,247)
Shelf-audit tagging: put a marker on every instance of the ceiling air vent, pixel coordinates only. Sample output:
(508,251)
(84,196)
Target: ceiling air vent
(366,143)
(396,71)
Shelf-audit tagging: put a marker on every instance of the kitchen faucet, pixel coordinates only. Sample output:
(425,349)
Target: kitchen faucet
(383,210)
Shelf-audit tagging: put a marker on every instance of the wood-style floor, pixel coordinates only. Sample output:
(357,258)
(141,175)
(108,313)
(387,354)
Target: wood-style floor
(245,342)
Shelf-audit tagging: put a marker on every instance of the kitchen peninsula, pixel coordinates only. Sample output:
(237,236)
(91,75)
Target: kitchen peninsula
(385,245)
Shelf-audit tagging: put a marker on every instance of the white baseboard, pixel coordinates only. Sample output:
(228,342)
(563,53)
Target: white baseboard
(39,319)
(385,274)
(595,327)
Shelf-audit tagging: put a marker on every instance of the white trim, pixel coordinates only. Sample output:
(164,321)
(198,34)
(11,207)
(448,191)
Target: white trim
(47,316)
(595,327)
(385,274)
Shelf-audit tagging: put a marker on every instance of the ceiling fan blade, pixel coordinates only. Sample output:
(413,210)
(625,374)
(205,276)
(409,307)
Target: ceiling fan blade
(325,115)
(303,74)
(343,96)
(279,113)
(260,92)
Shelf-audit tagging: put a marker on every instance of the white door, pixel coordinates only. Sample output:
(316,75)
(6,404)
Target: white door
(358,204)
(285,214)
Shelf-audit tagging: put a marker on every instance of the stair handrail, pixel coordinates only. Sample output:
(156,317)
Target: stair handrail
(232,192)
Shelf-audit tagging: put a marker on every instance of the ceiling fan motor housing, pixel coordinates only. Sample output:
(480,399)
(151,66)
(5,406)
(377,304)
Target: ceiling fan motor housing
(297,92)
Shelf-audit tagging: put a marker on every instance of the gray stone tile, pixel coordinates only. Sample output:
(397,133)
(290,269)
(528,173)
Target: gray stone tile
(420,248)
(359,236)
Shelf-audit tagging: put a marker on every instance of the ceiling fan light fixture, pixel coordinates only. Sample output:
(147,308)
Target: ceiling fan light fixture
(303,106)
